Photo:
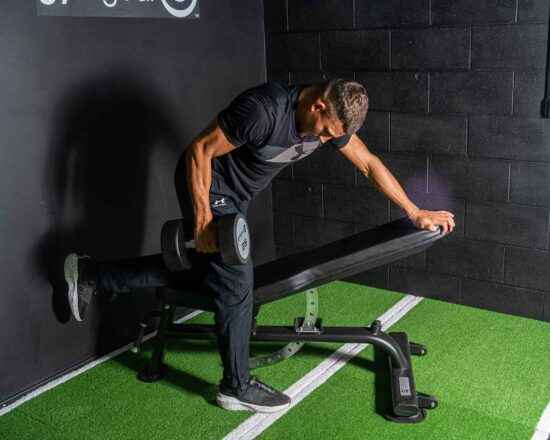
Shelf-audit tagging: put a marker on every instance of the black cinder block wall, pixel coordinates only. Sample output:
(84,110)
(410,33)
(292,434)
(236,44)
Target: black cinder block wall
(455,89)
(94,113)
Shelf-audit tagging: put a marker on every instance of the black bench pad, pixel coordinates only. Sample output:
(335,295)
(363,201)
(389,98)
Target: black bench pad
(334,261)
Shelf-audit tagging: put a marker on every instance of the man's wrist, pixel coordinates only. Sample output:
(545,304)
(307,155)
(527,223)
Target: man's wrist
(203,217)
(412,211)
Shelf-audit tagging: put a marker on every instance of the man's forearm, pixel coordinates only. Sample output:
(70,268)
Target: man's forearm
(199,179)
(388,184)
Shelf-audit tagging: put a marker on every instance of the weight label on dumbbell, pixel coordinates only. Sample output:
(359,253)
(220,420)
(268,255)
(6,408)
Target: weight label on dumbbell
(243,238)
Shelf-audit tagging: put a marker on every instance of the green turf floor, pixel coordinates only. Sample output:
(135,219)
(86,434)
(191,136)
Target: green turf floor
(489,371)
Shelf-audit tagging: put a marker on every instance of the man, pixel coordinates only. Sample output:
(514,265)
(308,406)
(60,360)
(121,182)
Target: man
(263,130)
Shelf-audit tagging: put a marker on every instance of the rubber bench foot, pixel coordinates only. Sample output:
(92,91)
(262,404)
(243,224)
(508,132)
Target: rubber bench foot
(422,414)
(147,375)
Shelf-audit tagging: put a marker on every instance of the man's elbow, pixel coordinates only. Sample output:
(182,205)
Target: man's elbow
(197,152)
(365,171)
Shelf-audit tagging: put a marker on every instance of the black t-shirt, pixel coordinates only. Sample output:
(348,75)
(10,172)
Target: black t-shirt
(261,123)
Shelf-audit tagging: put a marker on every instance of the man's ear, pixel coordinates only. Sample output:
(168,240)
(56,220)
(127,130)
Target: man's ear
(319,106)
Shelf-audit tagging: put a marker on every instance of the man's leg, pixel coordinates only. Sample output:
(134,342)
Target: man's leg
(231,286)
(87,278)
(232,289)
(123,276)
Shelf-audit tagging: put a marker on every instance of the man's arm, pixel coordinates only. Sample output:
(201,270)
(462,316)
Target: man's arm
(211,143)
(372,167)
(244,121)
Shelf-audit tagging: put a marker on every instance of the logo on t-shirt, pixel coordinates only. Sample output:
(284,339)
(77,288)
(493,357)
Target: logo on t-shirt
(278,154)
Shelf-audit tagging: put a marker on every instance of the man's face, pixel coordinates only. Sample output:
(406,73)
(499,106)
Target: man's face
(319,123)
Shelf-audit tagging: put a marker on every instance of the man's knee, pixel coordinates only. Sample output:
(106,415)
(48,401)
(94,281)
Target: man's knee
(243,284)
(232,285)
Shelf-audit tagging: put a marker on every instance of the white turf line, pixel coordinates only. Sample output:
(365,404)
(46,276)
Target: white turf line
(84,368)
(542,431)
(256,424)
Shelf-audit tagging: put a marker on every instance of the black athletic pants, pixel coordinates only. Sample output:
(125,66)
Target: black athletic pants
(231,286)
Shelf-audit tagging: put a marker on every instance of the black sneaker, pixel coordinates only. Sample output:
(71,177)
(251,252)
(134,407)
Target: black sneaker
(257,397)
(81,278)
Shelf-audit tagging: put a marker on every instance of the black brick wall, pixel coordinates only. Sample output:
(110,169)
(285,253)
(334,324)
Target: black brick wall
(455,88)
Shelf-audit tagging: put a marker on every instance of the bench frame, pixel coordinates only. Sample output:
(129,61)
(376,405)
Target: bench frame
(408,405)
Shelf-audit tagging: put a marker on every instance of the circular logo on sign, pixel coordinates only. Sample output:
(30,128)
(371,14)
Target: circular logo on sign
(180,8)
(243,238)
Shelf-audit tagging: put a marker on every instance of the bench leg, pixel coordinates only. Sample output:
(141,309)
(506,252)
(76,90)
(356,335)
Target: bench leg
(155,369)
(312,313)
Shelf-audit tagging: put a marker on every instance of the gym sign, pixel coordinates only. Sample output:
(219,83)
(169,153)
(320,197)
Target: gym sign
(119,8)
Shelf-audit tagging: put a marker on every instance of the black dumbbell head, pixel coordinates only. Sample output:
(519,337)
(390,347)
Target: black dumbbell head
(173,248)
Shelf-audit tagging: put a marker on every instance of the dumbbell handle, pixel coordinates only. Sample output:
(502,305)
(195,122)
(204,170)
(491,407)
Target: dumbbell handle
(190,244)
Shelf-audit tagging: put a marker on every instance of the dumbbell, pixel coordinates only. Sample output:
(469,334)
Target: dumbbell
(233,242)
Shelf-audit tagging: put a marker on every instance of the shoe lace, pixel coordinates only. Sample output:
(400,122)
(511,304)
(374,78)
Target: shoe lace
(255,382)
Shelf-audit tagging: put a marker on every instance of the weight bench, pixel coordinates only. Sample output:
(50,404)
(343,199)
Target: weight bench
(305,271)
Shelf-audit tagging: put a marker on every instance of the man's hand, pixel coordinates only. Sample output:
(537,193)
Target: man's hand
(430,220)
(206,238)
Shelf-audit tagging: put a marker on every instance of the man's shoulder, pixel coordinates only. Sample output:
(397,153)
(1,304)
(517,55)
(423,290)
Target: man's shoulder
(270,88)
(271,93)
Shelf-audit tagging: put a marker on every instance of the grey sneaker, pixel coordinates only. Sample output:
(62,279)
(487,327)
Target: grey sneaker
(81,278)
(257,397)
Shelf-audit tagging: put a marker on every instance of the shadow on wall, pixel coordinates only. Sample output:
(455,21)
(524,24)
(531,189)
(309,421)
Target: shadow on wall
(105,132)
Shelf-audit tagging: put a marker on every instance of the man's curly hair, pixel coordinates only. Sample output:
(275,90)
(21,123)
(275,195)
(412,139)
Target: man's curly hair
(348,101)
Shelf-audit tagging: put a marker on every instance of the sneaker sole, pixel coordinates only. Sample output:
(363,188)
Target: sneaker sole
(233,404)
(71,277)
